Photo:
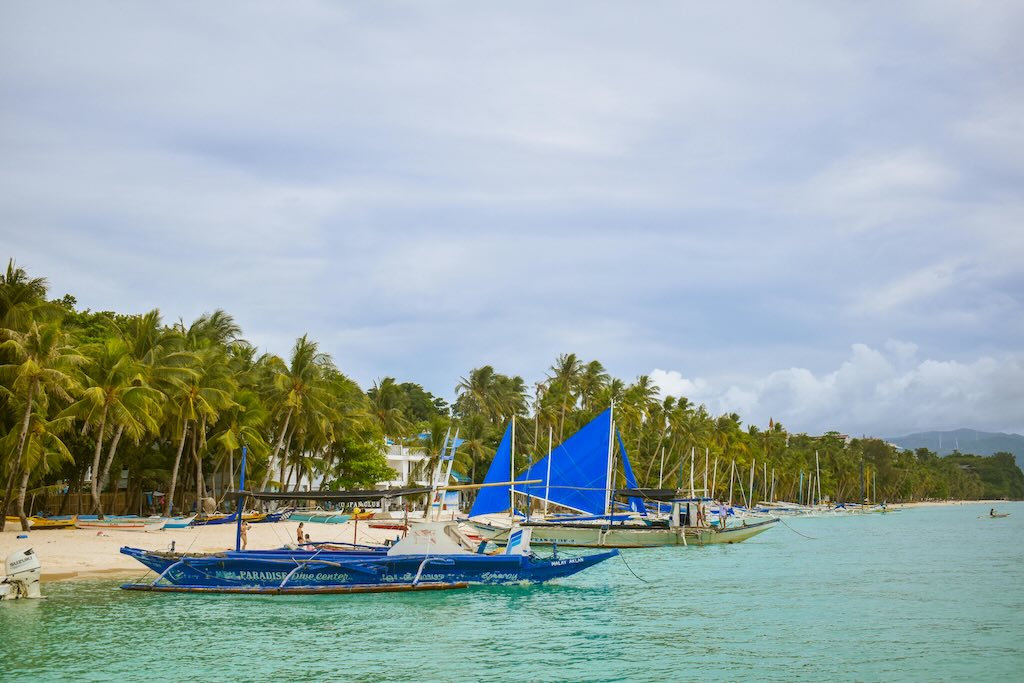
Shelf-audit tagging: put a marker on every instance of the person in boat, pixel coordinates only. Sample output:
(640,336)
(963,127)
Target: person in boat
(245,535)
(300,537)
(992,512)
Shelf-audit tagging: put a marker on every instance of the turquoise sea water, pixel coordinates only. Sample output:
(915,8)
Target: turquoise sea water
(933,594)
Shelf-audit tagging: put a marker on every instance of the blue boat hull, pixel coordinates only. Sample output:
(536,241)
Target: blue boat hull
(277,569)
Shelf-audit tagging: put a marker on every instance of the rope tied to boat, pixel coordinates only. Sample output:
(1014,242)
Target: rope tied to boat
(813,538)
(631,569)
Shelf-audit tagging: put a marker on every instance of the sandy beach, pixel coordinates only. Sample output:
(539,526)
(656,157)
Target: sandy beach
(86,554)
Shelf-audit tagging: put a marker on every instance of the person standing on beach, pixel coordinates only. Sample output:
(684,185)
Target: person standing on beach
(245,535)
(300,538)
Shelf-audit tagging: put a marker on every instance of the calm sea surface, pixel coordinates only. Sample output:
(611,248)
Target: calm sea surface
(932,594)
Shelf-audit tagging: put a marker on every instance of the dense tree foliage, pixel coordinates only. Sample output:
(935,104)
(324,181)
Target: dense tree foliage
(85,396)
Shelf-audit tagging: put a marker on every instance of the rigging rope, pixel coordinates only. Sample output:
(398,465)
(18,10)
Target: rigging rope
(794,530)
(631,569)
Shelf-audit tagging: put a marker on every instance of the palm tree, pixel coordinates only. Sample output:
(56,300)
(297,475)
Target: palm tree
(299,388)
(44,361)
(475,393)
(44,451)
(386,404)
(564,379)
(592,379)
(115,395)
(23,299)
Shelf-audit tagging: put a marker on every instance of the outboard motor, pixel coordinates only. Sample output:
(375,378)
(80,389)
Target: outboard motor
(22,576)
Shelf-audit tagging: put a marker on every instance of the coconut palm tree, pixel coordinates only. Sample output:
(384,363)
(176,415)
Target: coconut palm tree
(43,365)
(386,404)
(44,451)
(299,388)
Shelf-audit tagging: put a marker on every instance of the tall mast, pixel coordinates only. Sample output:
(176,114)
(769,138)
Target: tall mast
(512,472)
(611,448)
(547,479)
(732,476)
(692,458)
(817,469)
(705,472)
(661,470)
(714,479)
(750,491)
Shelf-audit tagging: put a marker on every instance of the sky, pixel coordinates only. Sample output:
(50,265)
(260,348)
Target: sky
(799,211)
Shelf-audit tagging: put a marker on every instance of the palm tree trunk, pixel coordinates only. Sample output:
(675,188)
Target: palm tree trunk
(21,499)
(277,449)
(95,476)
(17,461)
(199,472)
(169,504)
(106,467)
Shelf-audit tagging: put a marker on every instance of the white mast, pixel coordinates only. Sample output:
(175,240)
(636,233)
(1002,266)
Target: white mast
(750,490)
(611,450)
(714,478)
(547,480)
(512,472)
(732,476)
(705,472)
(692,458)
(661,470)
(817,468)
(765,478)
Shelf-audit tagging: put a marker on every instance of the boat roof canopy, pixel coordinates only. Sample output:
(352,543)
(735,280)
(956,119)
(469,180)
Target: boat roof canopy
(335,496)
(664,495)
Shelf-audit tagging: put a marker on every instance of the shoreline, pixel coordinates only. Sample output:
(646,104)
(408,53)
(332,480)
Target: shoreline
(77,554)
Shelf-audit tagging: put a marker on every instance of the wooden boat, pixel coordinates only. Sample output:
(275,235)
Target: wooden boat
(210,520)
(39,523)
(999,515)
(126,523)
(432,553)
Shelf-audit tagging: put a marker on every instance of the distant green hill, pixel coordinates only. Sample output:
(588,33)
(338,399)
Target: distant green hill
(966,441)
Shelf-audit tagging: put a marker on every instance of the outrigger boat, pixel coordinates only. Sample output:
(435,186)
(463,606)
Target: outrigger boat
(432,556)
(121,523)
(320,516)
(579,475)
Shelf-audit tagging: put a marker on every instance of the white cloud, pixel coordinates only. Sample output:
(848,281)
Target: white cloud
(873,392)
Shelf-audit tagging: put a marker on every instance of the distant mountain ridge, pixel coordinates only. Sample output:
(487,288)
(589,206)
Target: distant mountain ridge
(971,441)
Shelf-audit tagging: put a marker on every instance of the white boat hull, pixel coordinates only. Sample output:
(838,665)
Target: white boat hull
(625,536)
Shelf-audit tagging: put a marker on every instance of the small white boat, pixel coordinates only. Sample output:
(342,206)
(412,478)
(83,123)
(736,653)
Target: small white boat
(180,522)
(123,523)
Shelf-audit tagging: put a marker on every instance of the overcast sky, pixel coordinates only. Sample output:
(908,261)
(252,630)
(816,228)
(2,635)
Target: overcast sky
(805,211)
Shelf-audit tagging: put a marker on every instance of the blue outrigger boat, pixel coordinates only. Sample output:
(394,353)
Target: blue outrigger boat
(432,556)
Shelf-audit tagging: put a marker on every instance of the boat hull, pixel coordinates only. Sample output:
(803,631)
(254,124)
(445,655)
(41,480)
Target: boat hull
(123,523)
(320,517)
(625,535)
(310,570)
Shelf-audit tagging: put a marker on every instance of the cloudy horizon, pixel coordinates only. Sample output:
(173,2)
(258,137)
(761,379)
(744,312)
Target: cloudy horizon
(802,212)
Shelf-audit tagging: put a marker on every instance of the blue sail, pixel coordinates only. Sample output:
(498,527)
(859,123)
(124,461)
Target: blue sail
(635,504)
(579,469)
(496,498)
